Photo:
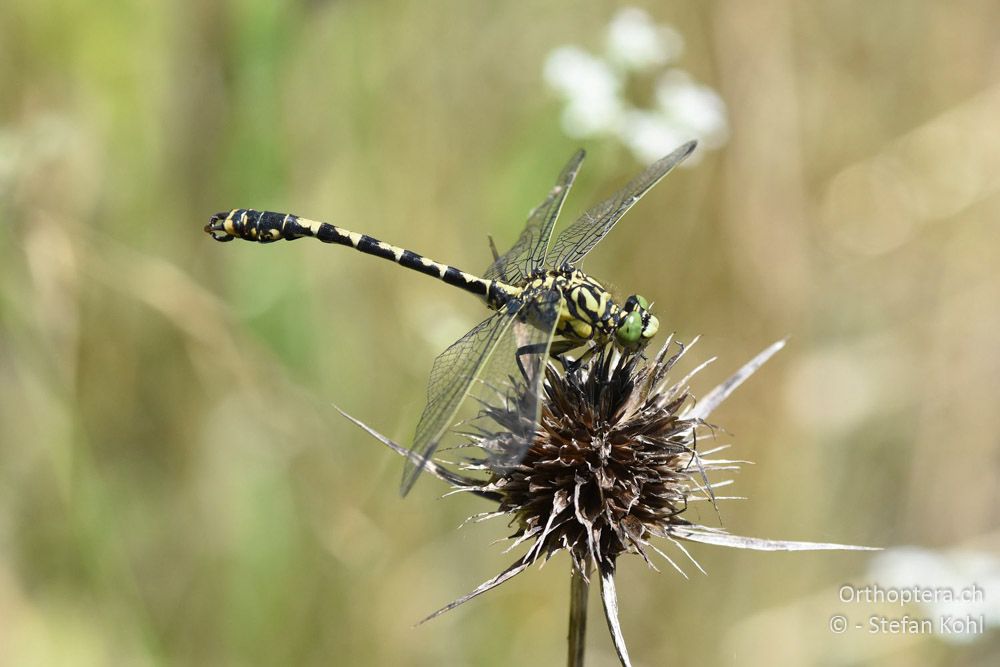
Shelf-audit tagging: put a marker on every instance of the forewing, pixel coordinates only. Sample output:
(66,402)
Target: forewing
(578,239)
(452,375)
(529,251)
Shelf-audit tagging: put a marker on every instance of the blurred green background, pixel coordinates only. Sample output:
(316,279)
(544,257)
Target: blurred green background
(175,485)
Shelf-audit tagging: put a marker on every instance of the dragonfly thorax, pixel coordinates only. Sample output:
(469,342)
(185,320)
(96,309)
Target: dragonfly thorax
(588,311)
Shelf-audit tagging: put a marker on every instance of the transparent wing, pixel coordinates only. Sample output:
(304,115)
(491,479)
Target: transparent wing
(452,375)
(529,251)
(511,384)
(578,239)
(485,361)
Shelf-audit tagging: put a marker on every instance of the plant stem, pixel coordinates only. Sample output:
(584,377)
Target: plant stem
(578,589)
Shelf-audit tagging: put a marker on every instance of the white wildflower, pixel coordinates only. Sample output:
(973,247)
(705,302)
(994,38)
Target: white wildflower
(635,42)
(594,90)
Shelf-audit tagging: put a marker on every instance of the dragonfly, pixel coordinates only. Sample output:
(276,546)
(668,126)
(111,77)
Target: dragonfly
(544,304)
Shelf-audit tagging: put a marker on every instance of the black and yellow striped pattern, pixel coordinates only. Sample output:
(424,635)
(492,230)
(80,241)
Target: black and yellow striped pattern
(268,226)
(586,312)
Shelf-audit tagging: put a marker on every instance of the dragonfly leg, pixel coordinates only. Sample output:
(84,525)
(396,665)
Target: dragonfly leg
(558,352)
(572,365)
(524,350)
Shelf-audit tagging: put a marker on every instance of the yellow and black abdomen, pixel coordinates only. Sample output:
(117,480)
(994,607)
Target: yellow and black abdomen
(268,226)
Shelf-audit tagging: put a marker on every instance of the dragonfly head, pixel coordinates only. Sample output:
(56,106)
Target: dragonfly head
(637,325)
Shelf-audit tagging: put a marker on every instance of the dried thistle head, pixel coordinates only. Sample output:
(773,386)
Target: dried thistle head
(612,463)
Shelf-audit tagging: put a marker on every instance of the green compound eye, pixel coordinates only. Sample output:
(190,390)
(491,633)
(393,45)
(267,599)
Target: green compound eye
(630,330)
